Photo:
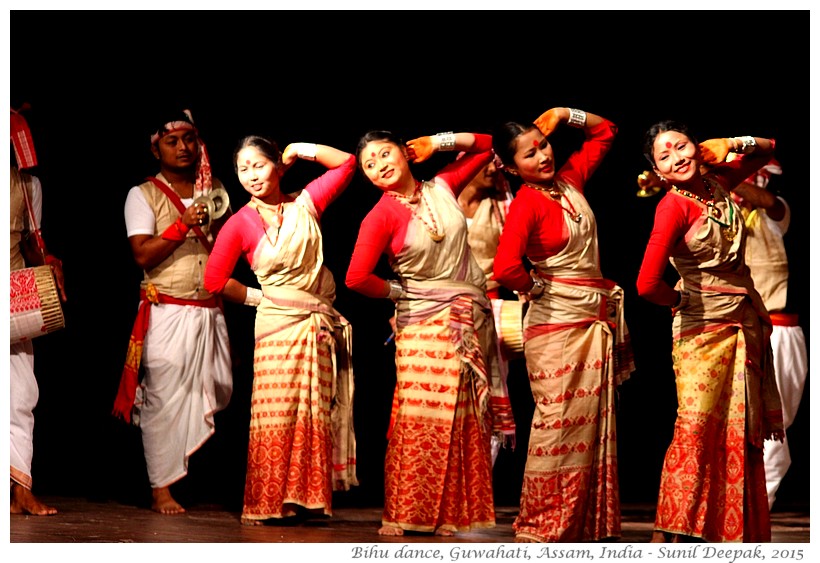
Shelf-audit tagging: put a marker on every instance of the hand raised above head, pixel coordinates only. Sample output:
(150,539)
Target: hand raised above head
(548,121)
(289,155)
(714,151)
(420,149)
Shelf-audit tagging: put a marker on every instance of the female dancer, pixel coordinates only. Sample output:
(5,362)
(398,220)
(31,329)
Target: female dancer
(295,459)
(438,472)
(576,342)
(713,483)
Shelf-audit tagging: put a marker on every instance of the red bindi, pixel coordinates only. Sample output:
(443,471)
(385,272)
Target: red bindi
(535,143)
(247,162)
(372,154)
(668,145)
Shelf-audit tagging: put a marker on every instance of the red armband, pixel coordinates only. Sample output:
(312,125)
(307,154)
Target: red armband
(176,231)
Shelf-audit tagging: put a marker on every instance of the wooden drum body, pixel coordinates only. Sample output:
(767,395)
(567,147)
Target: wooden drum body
(35,304)
(509,317)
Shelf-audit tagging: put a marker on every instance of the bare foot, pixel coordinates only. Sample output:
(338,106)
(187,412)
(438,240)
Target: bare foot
(250,522)
(445,532)
(164,503)
(23,501)
(390,531)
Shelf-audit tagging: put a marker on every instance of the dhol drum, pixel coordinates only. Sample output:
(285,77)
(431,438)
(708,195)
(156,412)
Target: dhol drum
(509,318)
(35,304)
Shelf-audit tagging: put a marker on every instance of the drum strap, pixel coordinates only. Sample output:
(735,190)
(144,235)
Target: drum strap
(34,226)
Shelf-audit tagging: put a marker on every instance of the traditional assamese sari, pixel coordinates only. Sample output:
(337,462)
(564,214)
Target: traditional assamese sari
(301,433)
(578,351)
(713,483)
(302,444)
(438,470)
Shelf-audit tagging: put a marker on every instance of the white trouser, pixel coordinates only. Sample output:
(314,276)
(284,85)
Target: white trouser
(791,367)
(24,396)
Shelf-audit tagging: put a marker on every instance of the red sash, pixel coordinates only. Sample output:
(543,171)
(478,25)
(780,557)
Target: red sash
(129,380)
(784,319)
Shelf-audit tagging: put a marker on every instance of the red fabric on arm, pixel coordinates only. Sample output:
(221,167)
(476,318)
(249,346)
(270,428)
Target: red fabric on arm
(535,227)
(674,216)
(460,172)
(382,231)
(327,187)
(582,163)
(508,268)
(238,237)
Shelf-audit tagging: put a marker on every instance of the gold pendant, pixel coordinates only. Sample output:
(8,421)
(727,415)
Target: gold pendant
(435,236)
(729,235)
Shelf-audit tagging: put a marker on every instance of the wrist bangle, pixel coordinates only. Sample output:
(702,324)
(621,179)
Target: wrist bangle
(744,145)
(446,141)
(253,296)
(577,118)
(306,151)
(538,286)
(396,290)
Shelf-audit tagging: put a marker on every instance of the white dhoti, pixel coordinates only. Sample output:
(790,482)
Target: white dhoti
(24,395)
(187,379)
(791,368)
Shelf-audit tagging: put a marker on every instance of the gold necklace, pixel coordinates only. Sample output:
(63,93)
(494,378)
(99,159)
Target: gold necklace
(556,195)
(712,212)
(554,192)
(412,203)
(278,215)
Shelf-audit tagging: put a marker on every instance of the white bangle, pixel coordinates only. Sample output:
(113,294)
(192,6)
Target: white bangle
(577,118)
(253,296)
(396,290)
(745,145)
(444,141)
(306,151)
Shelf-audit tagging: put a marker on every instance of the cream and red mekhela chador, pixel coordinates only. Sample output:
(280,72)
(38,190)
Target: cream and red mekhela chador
(302,445)
(713,483)
(438,469)
(578,351)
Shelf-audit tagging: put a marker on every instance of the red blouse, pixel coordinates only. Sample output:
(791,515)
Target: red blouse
(535,225)
(384,228)
(242,232)
(674,216)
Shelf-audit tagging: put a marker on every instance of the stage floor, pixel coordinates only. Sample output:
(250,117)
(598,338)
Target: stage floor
(85,521)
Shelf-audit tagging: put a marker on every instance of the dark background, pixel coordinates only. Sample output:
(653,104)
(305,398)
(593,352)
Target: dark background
(97,80)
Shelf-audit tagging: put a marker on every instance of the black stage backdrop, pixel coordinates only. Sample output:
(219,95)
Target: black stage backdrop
(96,81)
